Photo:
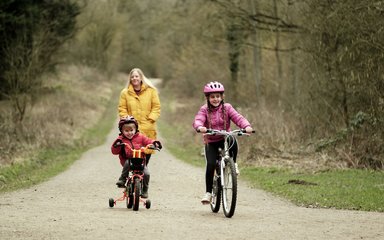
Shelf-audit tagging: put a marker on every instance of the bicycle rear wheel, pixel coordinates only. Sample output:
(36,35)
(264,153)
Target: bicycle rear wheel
(129,193)
(229,190)
(216,194)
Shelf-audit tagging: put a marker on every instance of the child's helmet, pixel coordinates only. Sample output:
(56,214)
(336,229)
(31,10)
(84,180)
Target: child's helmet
(127,120)
(213,87)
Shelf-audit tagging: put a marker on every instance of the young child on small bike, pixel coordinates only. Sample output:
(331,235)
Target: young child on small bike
(216,114)
(130,135)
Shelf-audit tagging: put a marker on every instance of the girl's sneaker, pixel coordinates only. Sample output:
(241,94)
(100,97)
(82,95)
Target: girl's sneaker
(237,169)
(207,198)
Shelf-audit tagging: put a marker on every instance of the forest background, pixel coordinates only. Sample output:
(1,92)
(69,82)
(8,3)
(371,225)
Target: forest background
(307,74)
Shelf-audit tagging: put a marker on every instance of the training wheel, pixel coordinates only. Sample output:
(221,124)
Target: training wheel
(147,204)
(111,202)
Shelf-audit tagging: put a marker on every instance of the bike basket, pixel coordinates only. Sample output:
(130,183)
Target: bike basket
(137,164)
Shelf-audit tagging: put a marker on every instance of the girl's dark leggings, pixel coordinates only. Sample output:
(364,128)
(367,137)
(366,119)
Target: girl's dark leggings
(211,153)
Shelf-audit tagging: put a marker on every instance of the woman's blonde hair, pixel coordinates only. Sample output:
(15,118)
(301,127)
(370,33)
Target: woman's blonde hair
(144,79)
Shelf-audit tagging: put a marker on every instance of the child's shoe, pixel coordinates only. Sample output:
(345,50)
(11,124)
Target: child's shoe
(207,198)
(120,183)
(144,194)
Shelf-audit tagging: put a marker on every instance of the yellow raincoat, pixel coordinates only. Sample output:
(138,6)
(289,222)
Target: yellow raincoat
(144,107)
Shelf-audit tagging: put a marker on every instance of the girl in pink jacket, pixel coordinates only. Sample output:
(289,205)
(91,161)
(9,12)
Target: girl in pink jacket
(216,114)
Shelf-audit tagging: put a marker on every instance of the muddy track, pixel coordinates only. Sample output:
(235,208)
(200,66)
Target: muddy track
(74,205)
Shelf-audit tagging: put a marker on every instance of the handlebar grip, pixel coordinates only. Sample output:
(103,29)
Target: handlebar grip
(154,148)
(119,144)
(243,130)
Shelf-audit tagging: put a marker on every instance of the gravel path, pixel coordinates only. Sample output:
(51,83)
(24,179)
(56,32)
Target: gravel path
(74,205)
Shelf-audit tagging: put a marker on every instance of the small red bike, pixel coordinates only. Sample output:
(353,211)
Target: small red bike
(134,184)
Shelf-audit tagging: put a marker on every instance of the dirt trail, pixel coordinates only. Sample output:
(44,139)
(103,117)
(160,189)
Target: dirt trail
(74,205)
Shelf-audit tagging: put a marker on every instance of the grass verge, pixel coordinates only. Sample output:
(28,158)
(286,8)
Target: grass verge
(189,154)
(49,162)
(341,189)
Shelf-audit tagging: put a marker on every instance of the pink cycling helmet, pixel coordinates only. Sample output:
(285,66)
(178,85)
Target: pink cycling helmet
(213,87)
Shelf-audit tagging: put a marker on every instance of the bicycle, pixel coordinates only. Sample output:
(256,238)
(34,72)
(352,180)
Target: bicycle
(225,178)
(134,184)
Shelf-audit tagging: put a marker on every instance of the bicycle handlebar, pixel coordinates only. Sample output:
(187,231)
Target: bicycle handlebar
(237,132)
(149,146)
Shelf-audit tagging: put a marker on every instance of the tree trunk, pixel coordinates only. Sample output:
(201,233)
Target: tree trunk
(257,57)
(279,72)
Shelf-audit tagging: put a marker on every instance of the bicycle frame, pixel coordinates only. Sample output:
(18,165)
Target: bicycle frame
(226,174)
(224,156)
(133,190)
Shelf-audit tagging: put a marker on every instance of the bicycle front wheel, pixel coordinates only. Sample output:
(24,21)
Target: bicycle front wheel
(216,194)
(136,194)
(229,190)
(129,193)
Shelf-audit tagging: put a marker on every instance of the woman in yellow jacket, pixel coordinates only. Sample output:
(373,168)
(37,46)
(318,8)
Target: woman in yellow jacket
(140,99)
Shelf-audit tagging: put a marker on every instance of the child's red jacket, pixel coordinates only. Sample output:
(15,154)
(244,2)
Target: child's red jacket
(139,140)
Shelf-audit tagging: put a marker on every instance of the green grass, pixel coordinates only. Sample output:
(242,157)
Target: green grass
(341,189)
(172,143)
(47,163)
